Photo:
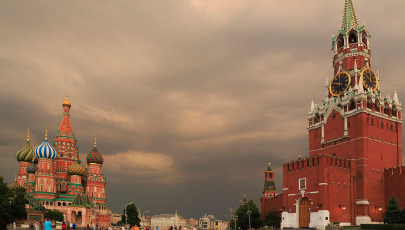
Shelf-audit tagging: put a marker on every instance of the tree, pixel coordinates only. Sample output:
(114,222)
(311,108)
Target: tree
(393,214)
(5,205)
(243,216)
(54,215)
(132,215)
(272,218)
(18,204)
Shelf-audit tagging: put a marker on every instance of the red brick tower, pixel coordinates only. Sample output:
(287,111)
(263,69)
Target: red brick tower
(269,191)
(355,138)
(356,121)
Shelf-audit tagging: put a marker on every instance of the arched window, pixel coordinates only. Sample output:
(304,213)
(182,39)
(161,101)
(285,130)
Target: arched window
(369,103)
(317,118)
(340,41)
(377,106)
(64,204)
(270,176)
(394,111)
(59,204)
(352,105)
(352,38)
(364,39)
(391,128)
(386,109)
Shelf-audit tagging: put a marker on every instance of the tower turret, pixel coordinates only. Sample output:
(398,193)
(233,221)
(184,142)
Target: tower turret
(269,185)
(25,156)
(351,43)
(65,145)
(94,181)
(45,176)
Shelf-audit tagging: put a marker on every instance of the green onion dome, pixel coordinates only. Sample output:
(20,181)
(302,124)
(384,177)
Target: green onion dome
(14,186)
(94,156)
(32,168)
(26,154)
(76,169)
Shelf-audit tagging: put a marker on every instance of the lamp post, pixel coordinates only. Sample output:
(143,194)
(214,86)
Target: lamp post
(248,212)
(143,215)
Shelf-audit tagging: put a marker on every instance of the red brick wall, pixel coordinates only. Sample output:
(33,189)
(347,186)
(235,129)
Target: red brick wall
(268,203)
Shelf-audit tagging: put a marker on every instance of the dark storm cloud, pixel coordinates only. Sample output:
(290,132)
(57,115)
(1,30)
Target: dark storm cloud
(189,99)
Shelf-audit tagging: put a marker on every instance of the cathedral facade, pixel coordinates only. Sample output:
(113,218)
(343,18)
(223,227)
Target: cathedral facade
(52,174)
(355,145)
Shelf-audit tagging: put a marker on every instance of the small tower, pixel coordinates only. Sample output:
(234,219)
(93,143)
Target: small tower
(25,156)
(45,175)
(94,181)
(269,185)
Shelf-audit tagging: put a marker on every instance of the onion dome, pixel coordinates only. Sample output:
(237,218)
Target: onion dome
(14,186)
(76,169)
(66,102)
(32,168)
(26,154)
(45,150)
(94,156)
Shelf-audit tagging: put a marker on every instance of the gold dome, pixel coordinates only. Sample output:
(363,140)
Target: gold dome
(66,102)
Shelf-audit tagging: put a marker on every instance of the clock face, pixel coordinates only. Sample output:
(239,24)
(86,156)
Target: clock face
(369,79)
(340,83)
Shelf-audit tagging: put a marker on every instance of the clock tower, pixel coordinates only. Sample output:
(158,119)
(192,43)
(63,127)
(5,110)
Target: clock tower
(356,121)
(354,162)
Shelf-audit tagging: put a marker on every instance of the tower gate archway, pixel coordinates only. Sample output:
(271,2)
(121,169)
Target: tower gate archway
(304,212)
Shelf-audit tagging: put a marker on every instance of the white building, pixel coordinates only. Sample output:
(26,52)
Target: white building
(163,221)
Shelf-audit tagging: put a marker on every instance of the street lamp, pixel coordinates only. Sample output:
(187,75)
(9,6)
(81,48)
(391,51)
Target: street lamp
(143,214)
(248,212)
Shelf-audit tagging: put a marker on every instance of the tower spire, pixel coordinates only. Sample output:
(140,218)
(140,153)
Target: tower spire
(28,136)
(46,133)
(349,16)
(395,98)
(312,105)
(95,142)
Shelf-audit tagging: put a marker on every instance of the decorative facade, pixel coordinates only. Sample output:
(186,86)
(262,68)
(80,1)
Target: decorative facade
(355,150)
(53,175)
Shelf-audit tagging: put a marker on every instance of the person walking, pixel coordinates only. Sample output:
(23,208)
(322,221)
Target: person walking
(48,225)
(63,226)
(14,225)
(67,225)
(74,226)
(157,228)
(41,226)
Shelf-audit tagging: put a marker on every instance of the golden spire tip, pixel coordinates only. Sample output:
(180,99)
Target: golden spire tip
(95,141)
(28,136)
(46,133)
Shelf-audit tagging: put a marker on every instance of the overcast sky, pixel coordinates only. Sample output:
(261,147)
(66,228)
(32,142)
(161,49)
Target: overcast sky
(189,100)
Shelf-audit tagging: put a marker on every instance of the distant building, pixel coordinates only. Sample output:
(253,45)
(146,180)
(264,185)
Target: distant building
(206,222)
(165,220)
(221,225)
(192,222)
(146,221)
(115,218)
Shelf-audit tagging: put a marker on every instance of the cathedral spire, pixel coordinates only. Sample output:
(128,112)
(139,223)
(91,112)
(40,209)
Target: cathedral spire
(65,128)
(349,16)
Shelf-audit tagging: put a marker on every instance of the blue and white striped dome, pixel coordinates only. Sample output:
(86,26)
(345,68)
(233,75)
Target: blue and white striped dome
(45,150)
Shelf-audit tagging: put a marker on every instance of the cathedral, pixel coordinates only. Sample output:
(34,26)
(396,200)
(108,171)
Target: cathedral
(53,176)
(355,145)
